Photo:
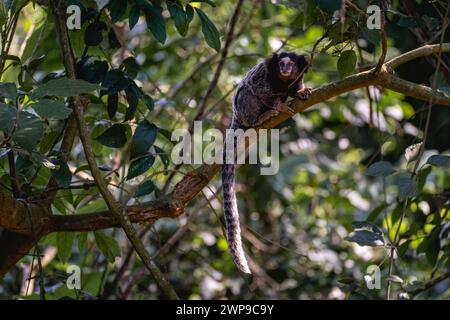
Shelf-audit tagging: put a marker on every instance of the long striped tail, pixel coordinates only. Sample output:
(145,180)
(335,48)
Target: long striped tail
(232,215)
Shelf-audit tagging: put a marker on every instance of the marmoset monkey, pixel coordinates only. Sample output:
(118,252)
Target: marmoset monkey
(259,97)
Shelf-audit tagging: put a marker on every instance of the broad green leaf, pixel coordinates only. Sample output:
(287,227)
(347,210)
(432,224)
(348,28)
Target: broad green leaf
(209,30)
(367,226)
(64,241)
(140,166)
(93,35)
(64,87)
(179,17)
(8,90)
(407,187)
(143,139)
(145,189)
(155,22)
(131,67)
(62,174)
(329,6)
(376,212)
(117,9)
(365,238)
(422,176)
(439,160)
(132,94)
(114,136)
(372,35)
(133,18)
(114,43)
(148,101)
(29,131)
(51,109)
(7,118)
(94,206)
(380,169)
(434,246)
(115,81)
(112,104)
(107,245)
(93,71)
(346,63)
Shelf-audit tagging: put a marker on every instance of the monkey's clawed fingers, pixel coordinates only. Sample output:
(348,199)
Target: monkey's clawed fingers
(304,93)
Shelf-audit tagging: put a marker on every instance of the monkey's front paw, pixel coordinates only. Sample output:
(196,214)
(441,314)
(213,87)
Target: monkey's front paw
(303,94)
(285,109)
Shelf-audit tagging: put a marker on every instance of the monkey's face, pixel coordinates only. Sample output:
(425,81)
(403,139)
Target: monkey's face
(287,68)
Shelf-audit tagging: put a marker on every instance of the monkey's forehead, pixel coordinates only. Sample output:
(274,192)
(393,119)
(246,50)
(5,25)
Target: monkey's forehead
(285,59)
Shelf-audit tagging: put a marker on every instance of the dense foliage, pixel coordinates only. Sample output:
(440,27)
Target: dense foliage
(352,189)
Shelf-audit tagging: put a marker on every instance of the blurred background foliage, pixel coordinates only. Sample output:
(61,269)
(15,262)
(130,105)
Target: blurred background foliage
(342,160)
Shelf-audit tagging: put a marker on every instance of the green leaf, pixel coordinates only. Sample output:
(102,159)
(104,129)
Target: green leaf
(82,242)
(155,22)
(140,166)
(117,9)
(8,90)
(7,118)
(145,189)
(148,101)
(64,87)
(112,40)
(143,138)
(93,34)
(107,245)
(29,131)
(64,242)
(93,71)
(439,160)
(410,22)
(407,187)
(380,169)
(163,156)
(189,13)
(365,238)
(346,63)
(367,226)
(132,94)
(329,6)
(372,35)
(179,17)
(51,109)
(62,175)
(133,18)
(210,2)
(422,176)
(115,81)
(209,30)
(114,136)
(433,248)
(112,104)
(376,212)
(131,67)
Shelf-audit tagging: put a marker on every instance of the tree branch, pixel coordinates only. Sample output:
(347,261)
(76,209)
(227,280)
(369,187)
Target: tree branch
(192,183)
